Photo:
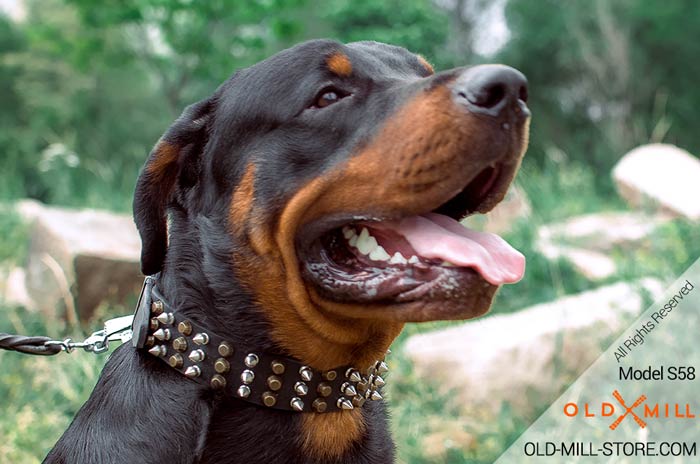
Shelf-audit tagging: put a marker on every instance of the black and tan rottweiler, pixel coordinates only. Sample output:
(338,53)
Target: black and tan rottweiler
(297,218)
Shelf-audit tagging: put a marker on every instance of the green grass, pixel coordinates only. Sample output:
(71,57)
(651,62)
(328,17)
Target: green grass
(41,395)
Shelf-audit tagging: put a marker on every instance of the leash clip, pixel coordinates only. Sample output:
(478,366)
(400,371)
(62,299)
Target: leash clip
(117,329)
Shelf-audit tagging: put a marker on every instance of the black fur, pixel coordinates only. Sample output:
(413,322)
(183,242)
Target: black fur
(141,410)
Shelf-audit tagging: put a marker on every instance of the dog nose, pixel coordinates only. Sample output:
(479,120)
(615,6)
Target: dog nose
(492,89)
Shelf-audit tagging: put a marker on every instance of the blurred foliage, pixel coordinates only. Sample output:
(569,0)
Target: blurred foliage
(86,88)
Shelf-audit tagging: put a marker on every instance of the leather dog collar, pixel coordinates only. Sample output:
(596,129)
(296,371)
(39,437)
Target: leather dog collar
(264,379)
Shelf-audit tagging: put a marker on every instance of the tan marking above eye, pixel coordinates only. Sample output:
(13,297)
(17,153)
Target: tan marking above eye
(426,64)
(339,64)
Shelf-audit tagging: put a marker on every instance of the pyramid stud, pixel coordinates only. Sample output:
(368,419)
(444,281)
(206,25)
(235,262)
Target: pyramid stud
(197,356)
(297,404)
(217,382)
(274,383)
(277,367)
(180,344)
(243,391)
(158,350)
(247,376)
(305,373)
(201,339)
(382,368)
(301,388)
(185,328)
(324,389)
(166,318)
(175,361)
(225,349)
(193,371)
(344,403)
(222,366)
(269,399)
(358,401)
(353,375)
(251,360)
(319,405)
(375,395)
(162,334)
(378,381)
(157,307)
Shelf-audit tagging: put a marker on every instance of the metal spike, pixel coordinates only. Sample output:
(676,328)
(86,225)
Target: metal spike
(297,404)
(371,371)
(324,389)
(201,338)
(305,373)
(158,350)
(162,334)
(330,375)
(166,318)
(251,360)
(225,349)
(197,356)
(348,389)
(193,371)
(243,391)
(319,405)
(185,328)
(388,351)
(274,383)
(277,367)
(353,374)
(382,368)
(269,399)
(301,388)
(247,376)
(217,382)
(222,366)
(180,344)
(157,307)
(375,395)
(175,361)
(378,381)
(344,403)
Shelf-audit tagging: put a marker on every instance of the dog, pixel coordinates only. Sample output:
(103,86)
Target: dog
(297,219)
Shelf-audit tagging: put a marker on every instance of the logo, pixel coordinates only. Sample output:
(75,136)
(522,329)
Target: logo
(640,410)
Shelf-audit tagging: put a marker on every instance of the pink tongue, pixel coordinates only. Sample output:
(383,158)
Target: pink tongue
(435,236)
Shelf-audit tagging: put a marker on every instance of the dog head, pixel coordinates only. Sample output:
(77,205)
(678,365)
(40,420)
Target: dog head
(339,174)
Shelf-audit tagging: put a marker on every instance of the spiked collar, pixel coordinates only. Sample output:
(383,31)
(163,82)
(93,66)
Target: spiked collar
(265,379)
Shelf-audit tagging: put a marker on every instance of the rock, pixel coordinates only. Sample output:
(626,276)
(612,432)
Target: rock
(79,258)
(13,290)
(586,240)
(661,176)
(514,207)
(526,358)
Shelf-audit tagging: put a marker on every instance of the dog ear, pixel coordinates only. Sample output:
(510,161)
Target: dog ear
(171,161)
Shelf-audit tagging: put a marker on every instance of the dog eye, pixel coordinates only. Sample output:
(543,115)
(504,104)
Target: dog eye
(327,97)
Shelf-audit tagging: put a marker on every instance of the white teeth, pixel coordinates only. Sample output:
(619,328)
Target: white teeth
(413,260)
(398,258)
(348,232)
(447,264)
(353,240)
(366,243)
(379,254)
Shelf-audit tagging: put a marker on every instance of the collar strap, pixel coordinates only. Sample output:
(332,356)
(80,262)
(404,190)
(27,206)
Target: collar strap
(265,379)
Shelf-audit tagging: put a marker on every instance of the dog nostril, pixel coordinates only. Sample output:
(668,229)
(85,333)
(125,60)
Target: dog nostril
(488,96)
(522,94)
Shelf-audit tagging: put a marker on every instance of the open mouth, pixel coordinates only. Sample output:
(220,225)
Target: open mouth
(428,256)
